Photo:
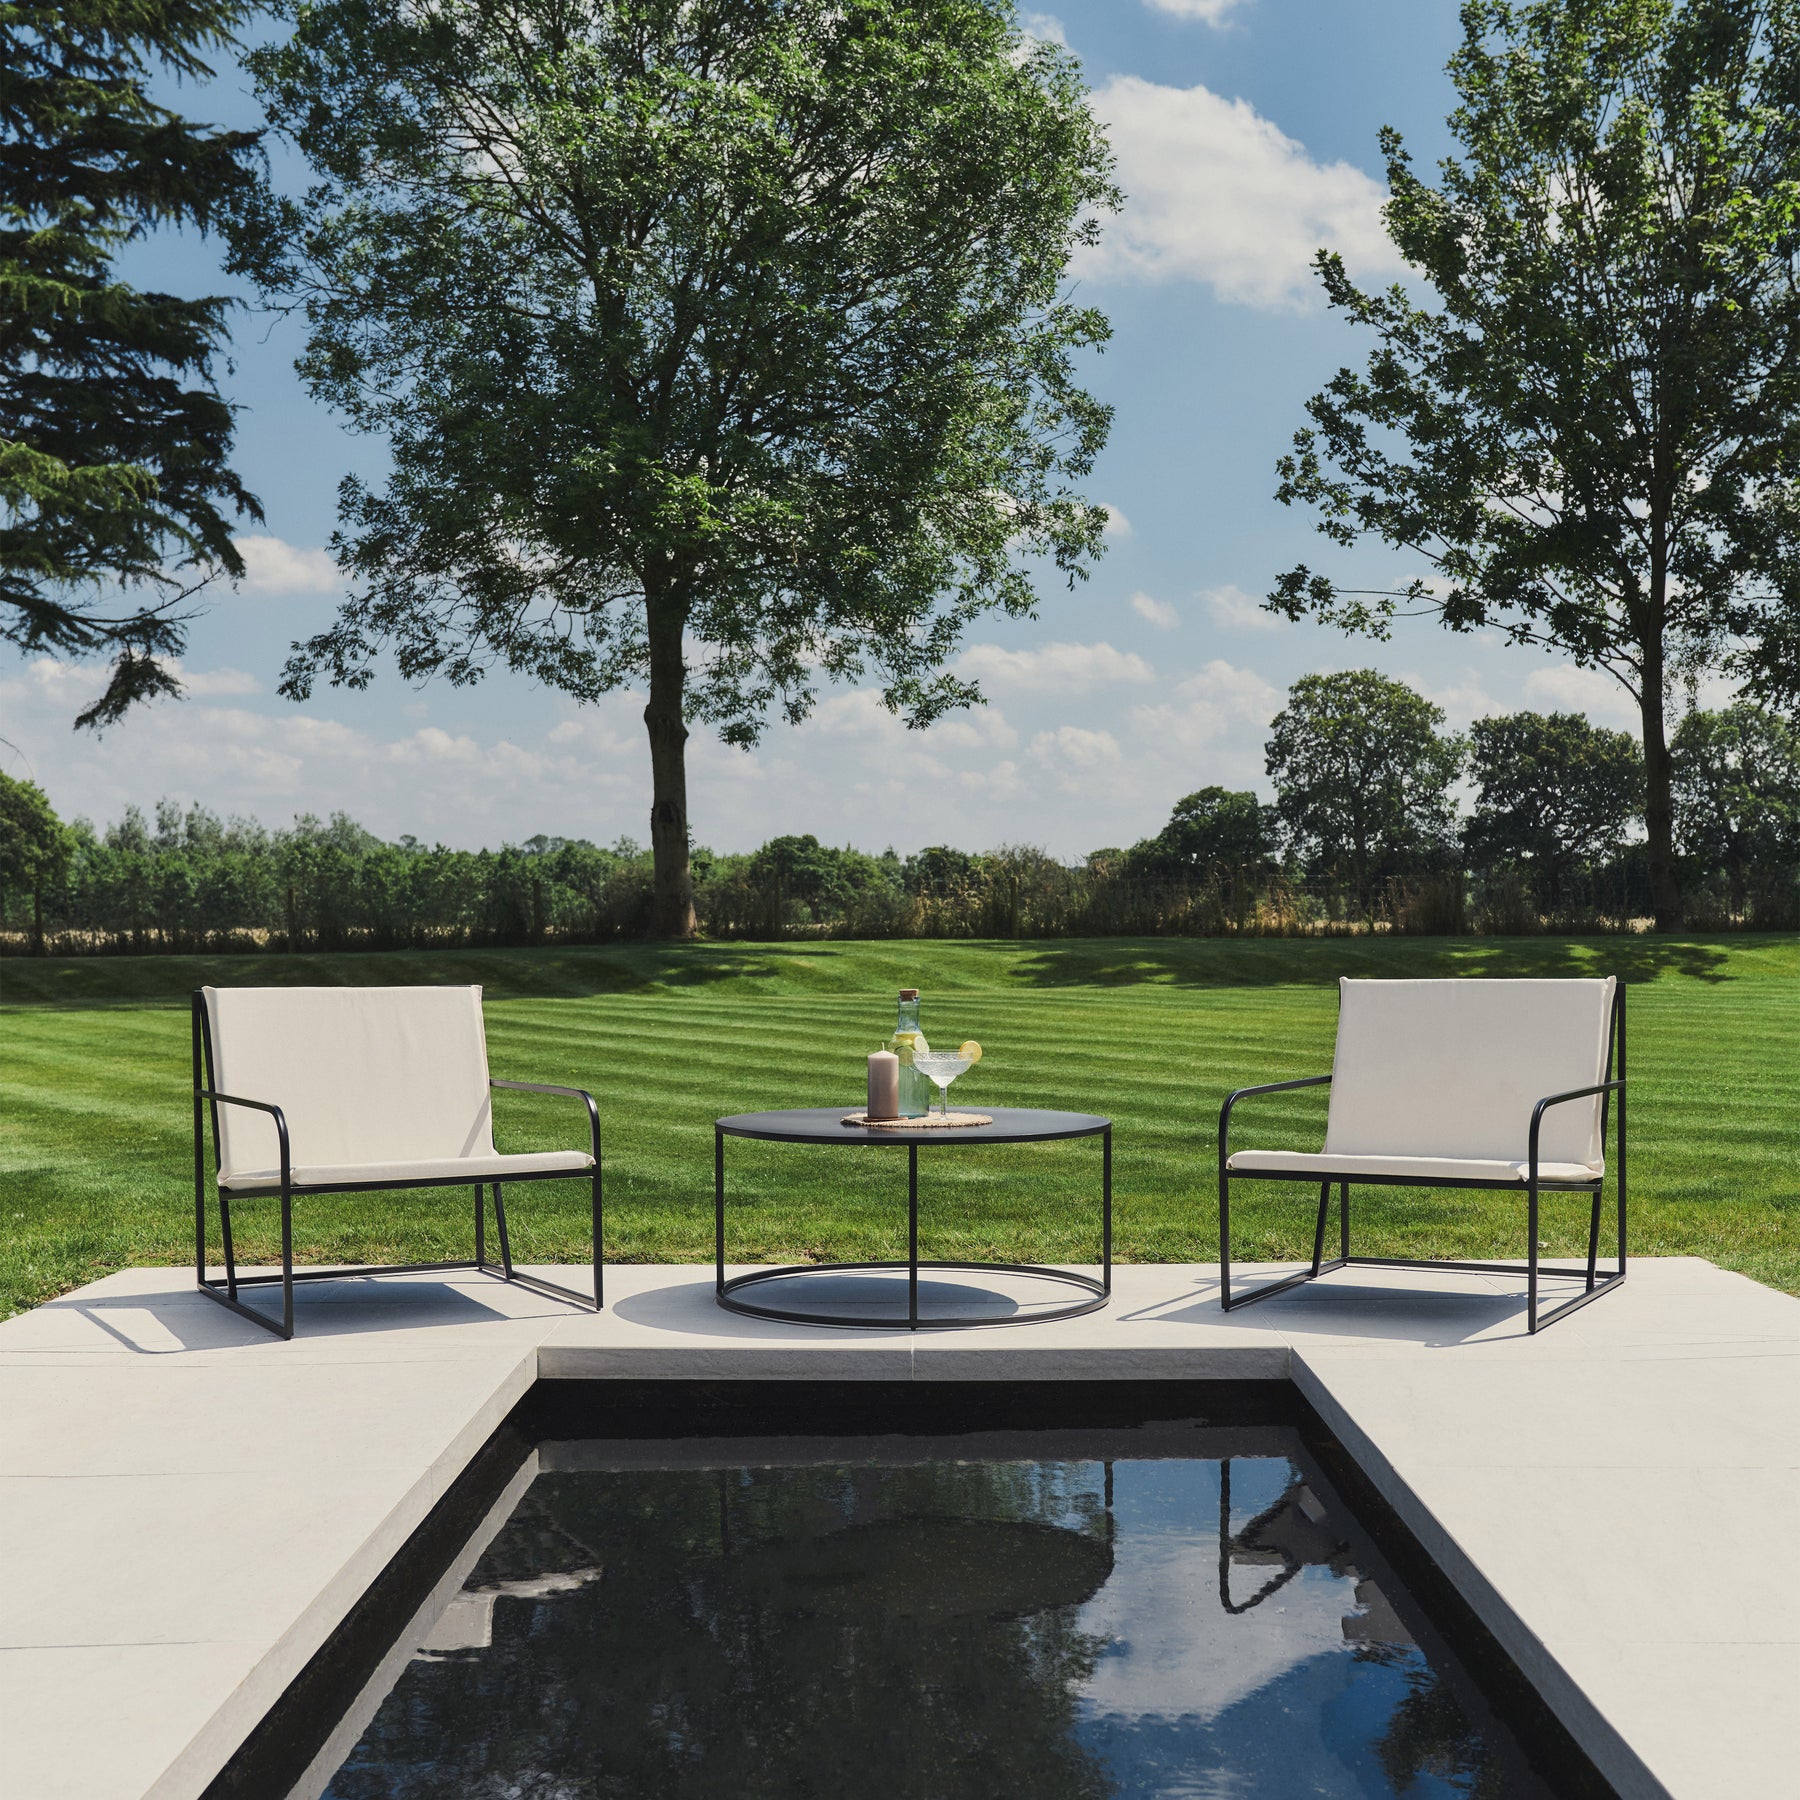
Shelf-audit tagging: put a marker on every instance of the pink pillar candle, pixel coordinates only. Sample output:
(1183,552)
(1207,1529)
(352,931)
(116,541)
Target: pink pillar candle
(884,1085)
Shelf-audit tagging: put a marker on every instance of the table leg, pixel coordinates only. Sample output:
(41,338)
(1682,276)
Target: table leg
(912,1237)
(1106,1228)
(719,1211)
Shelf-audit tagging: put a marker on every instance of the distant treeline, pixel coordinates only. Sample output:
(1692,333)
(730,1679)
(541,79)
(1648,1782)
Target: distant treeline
(1547,845)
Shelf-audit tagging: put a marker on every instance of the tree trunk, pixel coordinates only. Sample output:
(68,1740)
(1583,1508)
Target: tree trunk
(672,879)
(1659,800)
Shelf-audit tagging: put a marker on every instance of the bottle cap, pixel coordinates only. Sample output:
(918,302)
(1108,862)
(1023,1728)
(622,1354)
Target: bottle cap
(909,993)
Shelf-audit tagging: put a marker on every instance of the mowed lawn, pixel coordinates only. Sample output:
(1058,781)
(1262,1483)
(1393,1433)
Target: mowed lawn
(94,1103)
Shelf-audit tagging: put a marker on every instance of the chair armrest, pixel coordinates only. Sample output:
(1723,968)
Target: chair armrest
(1268,1087)
(268,1106)
(1550,1100)
(568,1093)
(543,1087)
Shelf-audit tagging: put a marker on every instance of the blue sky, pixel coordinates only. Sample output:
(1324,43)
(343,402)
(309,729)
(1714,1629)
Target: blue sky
(1246,136)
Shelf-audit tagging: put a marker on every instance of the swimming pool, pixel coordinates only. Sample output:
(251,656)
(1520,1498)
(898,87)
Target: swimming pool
(1181,1606)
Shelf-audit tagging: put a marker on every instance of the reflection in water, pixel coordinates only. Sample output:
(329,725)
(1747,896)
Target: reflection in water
(929,1629)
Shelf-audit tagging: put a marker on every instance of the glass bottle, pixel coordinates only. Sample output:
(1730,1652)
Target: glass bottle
(915,1089)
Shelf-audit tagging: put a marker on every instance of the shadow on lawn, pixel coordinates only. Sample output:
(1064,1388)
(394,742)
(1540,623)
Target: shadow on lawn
(810,966)
(540,973)
(1270,962)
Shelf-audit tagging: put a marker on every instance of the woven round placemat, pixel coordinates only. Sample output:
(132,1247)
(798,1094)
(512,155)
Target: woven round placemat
(931,1121)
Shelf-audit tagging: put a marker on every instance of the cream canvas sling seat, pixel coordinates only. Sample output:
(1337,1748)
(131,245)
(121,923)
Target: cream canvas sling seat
(1473,1083)
(321,1090)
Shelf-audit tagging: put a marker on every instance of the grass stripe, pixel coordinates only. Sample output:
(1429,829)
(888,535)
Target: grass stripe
(94,1105)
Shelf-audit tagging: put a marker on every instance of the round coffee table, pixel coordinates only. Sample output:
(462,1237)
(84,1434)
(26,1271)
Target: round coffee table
(825,1125)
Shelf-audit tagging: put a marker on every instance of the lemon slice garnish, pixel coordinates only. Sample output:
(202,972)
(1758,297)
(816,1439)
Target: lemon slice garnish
(971,1051)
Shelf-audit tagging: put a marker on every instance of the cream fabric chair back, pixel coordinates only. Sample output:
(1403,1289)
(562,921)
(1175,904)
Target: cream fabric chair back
(1454,1068)
(364,1075)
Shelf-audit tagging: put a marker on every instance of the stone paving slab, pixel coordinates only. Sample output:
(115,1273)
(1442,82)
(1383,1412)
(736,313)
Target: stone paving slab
(190,1505)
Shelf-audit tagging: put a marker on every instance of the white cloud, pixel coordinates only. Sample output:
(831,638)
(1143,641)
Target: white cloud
(432,744)
(273,566)
(1219,194)
(1463,699)
(61,689)
(1216,704)
(1053,669)
(1077,747)
(1243,690)
(1159,612)
(1567,687)
(65,686)
(859,714)
(458,785)
(216,683)
(1080,762)
(1044,27)
(1117,525)
(981,728)
(1208,12)
(596,732)
(1174,1652)
(998,782)
(497,763)
(1231,607)
(856,713)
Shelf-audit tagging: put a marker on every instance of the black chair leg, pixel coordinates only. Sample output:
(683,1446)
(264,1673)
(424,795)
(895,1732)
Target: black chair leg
(1593,1241)
(505,1241)
(480,1227)
(287,1265)
(1319,1228)
(600,1298)
(1531,1259)
(1224,1237)
(225,1236)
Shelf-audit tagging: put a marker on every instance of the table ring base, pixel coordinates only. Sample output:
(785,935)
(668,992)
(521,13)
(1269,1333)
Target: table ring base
(1095,1290)
(825,1125)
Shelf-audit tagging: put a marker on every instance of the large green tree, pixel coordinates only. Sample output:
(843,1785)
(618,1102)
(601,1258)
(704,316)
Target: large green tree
(115,483)
(1362,776)
(1214,832)
(35,846)
(1590,436)
(722,347)
(819,877)
(1737,796)
(1554,792)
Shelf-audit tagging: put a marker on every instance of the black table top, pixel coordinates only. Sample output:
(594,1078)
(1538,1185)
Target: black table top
(825,1125)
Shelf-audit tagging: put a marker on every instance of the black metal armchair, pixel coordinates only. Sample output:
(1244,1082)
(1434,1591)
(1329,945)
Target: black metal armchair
(368,1090)
(1442,1084)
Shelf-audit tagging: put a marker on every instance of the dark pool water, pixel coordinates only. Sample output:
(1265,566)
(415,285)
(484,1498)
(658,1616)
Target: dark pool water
(931,1625)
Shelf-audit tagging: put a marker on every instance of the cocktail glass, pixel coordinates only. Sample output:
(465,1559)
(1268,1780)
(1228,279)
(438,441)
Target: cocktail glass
(941,1067)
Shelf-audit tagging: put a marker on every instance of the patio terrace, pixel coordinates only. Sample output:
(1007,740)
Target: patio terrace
(192,1506)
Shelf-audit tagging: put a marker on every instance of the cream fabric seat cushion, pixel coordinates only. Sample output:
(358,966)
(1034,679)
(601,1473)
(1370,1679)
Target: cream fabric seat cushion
(1436,1077)
(378,1084)
(449,1168)
(1412,1168)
